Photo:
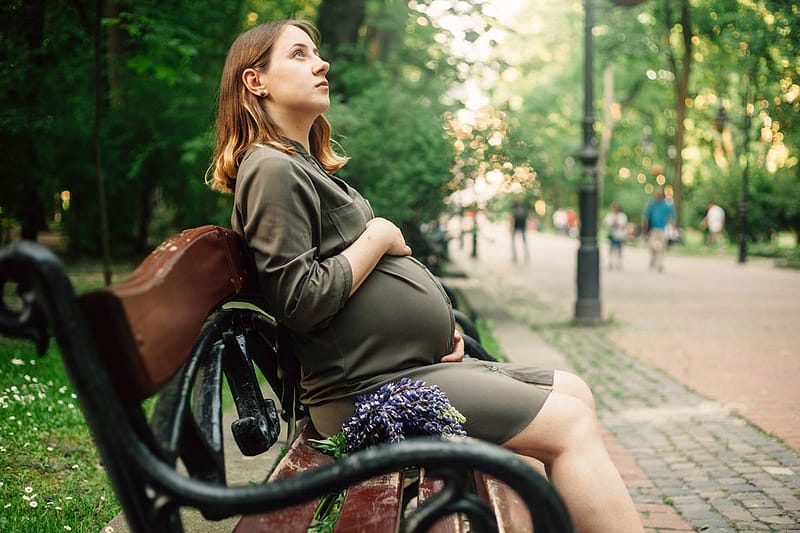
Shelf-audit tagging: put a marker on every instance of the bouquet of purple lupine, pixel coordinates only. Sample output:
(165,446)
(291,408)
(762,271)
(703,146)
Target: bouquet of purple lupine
(394,412)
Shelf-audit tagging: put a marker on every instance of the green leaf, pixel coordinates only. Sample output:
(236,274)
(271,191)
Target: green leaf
(333,445)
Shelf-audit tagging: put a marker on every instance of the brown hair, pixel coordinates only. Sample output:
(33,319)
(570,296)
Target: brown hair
(241,119)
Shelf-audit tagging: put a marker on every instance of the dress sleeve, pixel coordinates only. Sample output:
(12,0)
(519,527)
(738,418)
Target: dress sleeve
(279,213)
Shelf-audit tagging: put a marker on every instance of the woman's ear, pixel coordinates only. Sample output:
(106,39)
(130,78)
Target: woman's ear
(252,80)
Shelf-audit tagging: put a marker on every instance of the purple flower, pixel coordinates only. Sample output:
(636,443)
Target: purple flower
(399,410)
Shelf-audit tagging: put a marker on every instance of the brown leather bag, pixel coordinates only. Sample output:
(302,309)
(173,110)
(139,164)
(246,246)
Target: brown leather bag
(146,326)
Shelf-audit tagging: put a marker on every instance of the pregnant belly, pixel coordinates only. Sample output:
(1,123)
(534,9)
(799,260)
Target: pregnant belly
(401,315)
(398,318)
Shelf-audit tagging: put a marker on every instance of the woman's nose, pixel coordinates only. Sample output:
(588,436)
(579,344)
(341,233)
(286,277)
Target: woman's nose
(322,67)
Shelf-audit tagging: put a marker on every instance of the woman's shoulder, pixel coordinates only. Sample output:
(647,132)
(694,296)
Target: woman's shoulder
(264,154)
(267,162)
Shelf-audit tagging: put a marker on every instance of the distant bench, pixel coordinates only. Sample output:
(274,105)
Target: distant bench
(184,324)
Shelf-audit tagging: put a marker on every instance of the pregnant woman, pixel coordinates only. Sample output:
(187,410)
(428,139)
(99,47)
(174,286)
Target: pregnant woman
(361,311)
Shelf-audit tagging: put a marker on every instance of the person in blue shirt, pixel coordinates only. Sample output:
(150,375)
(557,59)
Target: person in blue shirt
(658,216)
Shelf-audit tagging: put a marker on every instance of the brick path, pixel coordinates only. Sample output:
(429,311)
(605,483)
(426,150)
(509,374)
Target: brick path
(688,415)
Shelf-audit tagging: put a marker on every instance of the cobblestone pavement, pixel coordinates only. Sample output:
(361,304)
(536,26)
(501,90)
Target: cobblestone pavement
(696,454)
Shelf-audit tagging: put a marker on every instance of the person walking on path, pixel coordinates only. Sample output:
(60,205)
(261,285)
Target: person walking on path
(617,223)
(658,215)
(714,222)
(519,225)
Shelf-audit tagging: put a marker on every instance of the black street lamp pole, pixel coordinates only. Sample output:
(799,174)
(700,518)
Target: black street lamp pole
(475,232)
(588,310)
(745,180)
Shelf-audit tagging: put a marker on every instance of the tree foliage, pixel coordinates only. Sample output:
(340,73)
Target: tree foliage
(160,70)
(673,65)
(430,97)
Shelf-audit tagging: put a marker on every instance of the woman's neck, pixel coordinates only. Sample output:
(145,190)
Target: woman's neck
(300,136)
(295,128)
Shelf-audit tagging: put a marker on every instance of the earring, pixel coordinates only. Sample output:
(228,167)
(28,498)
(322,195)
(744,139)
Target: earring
(263,94)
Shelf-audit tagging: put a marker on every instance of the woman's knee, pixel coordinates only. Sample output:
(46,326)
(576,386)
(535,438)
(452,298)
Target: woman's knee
(568,383)
(564,422)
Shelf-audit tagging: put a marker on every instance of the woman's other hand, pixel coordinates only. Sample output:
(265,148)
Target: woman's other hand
(386,231)
(457,354)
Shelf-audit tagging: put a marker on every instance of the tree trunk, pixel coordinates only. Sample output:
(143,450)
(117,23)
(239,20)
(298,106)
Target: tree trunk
(114,54)
(339,22)
(32,211)
(681,72)
(608,129)
(98,103)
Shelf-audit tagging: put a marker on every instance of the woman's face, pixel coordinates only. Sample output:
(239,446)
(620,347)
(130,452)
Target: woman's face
(295,78)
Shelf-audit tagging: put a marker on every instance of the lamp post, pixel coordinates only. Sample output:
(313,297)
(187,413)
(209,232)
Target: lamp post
(720,120)
(474,231)
(745,178)
(588,310)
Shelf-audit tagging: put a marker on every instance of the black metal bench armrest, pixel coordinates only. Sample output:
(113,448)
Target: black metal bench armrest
(44,291)
(449,459)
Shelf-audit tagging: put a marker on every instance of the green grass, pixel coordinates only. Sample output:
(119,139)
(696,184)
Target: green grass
(782,248)
(489,341)
(51,478)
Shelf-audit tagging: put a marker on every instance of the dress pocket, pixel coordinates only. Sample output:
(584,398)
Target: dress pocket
(349,220)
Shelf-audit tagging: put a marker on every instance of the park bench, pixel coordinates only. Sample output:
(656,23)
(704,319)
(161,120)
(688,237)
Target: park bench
(148,360)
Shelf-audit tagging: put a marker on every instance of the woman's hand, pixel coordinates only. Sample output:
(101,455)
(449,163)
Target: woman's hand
(457,354)
(386,232)
(380,238)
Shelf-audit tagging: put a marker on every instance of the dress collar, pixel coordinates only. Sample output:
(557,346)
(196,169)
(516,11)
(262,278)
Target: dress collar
(299,147)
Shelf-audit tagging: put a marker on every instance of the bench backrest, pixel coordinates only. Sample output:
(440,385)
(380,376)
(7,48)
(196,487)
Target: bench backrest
(151,321)
(163,332)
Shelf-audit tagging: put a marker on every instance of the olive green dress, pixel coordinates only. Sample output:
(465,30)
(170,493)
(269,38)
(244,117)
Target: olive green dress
(297,219)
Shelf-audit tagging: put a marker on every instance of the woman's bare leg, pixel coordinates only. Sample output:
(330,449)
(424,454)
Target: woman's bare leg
(568,383)
(565,436)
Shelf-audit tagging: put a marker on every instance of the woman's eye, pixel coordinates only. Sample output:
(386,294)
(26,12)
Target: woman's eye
(297,53)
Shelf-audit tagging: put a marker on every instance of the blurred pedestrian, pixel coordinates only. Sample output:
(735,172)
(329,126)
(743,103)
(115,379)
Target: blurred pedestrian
(617,224)
(714,223)
(520,209)
(560,220)
(572,223)
(658,215)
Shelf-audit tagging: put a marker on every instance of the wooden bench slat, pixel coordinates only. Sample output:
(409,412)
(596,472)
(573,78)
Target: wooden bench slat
(372,506)
(300,457)
(506,504)
(429,486)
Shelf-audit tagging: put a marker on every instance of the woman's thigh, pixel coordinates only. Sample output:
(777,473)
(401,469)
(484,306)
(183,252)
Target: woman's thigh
(564,421)
(493,397)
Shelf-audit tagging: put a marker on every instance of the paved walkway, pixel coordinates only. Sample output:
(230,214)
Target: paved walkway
(696,374)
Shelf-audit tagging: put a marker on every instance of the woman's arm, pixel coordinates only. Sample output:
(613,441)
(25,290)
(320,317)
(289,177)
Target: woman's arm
(277,212)
(380,238)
